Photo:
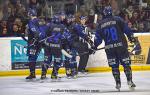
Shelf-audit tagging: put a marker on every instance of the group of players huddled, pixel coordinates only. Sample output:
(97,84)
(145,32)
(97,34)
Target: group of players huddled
(59,37)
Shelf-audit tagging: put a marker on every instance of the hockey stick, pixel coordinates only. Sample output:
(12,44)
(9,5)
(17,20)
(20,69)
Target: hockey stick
(62,50)
(45,39)
(100,48)
(17,44)
(66,53)
(88,52)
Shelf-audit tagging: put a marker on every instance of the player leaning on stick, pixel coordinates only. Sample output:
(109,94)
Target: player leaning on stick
(112,30)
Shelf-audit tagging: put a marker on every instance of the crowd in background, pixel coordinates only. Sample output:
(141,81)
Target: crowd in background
(13,13)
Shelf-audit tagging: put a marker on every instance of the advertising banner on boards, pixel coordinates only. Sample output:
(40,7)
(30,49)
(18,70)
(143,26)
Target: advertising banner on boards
(19,58)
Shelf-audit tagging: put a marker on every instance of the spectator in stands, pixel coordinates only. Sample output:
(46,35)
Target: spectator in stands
(7,9)
(135,17)
(130,10)
(142,27)
(3,29)
(98,6)
(37,5)
(129,2)
(19,23)
(138,17)
(135,20)
(1,12)
(20,10)
(124,15)
(83,10)
(15,30)
(46,11)
(89,4)
(33,4)
(90,21)
(131,27)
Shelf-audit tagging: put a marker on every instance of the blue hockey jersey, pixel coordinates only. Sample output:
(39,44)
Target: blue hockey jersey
(112,31)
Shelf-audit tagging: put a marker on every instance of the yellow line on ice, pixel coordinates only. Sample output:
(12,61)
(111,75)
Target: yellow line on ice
(62,70)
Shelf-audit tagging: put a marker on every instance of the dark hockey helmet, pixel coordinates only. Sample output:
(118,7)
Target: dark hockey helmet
(32,12)
(62,13)
(83,17)
(70,18)
(56,19)
(107,11)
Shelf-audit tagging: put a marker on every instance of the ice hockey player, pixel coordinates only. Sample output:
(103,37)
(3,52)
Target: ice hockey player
(54,42)
(70,63)
(34,47)
(62,17)
(112,30)
(44,29)
(81,43)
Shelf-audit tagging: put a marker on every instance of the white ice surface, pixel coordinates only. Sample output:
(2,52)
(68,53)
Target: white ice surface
(102,82)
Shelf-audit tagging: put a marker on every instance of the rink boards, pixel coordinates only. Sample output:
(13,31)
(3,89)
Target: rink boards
(13,57)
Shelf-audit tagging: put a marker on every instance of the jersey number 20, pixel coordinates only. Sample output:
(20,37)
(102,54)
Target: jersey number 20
(111,34)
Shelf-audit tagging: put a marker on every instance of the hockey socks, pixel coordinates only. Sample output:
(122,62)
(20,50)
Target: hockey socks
(116,74)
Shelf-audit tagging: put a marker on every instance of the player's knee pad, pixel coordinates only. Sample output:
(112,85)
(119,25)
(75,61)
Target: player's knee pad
(113,63)
(126,61)
(57,64)
(57,60)
(32,58)
(47,59)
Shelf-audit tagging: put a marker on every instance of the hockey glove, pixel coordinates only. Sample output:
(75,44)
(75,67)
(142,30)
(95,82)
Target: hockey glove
(132,39)
(91,42)
(91,51)
(137,48)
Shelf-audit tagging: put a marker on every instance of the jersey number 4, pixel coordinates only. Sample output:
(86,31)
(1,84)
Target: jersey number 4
(111,34)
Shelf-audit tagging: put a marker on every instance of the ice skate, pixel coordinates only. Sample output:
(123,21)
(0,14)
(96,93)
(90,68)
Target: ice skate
(68,73)
(74,76)
(69,77)
(118,86)
(74,73)
(131,85)
(43,76)
(82,73)
(55,78)
(31,77)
